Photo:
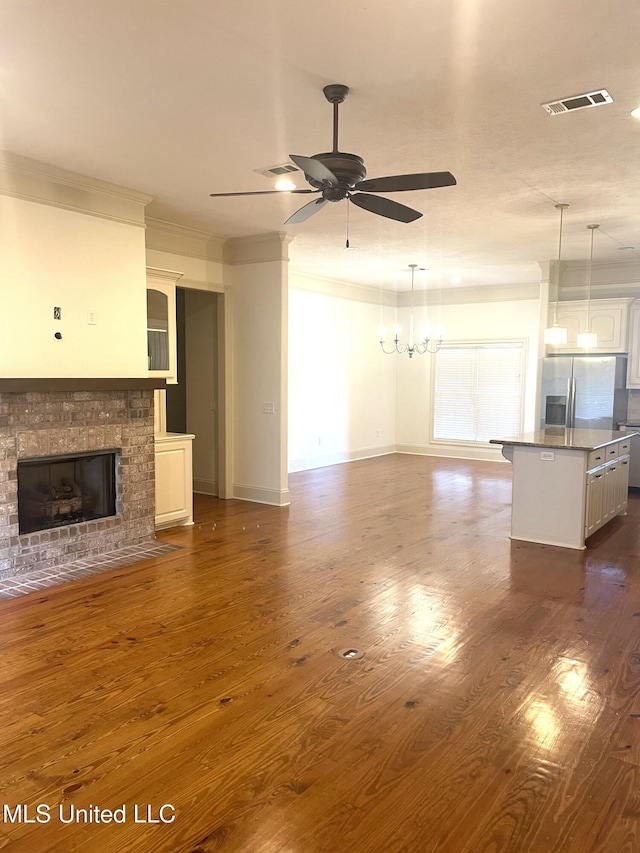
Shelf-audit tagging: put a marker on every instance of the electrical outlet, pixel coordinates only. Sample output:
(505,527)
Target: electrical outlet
(547,455)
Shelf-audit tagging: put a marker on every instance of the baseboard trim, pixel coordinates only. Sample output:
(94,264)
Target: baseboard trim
(206,487)
(255,494)
(338,458)
(451,451)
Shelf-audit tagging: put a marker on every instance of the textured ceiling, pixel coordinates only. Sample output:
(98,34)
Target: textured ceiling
(180,99)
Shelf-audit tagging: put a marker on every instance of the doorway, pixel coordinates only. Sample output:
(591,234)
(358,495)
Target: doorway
(193,405)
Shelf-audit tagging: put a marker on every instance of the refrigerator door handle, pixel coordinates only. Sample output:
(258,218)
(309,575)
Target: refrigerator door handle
(571,403)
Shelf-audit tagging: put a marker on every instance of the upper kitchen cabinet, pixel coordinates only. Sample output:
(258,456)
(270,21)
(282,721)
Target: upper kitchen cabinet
(633,366)
(161,323)
(608,318)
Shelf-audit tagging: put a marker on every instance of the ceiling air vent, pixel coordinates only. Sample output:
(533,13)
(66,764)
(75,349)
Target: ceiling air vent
(281,169)
(579,102)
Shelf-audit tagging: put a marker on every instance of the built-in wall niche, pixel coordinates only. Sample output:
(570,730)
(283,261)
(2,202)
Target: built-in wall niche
(54,491)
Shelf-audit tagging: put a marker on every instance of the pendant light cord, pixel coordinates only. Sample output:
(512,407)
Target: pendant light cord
(561,208)
(592,228)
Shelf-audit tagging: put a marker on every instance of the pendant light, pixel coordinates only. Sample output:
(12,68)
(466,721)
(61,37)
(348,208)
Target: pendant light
(588,339)
(556,335)
(427,344)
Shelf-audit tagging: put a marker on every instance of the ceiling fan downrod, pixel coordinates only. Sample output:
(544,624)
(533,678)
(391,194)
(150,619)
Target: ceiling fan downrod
(335,94)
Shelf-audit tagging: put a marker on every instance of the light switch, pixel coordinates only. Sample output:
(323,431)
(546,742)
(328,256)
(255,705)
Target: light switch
(268,408)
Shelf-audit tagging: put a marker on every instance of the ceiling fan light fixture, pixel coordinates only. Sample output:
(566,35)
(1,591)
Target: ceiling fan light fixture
(284,185)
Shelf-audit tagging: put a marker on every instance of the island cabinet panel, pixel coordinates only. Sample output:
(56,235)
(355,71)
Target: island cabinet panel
(566,484)
(548,500)
(595,514)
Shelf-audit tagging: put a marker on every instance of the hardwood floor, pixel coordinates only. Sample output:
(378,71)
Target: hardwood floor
(495,706)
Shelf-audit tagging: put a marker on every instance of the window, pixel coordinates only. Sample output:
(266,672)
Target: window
(478,390)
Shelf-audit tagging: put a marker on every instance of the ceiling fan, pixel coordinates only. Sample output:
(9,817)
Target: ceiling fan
(338,176)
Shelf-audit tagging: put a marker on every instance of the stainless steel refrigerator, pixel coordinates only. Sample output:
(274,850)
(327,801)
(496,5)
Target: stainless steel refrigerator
(584,392)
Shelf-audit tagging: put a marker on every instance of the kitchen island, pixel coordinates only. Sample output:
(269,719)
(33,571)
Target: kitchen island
(567,483)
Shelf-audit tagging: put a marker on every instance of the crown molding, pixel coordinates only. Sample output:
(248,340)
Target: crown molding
(618,273)
(164,236)
(30,180)
(300,280)
(257,248)
(472,294)
(164,275)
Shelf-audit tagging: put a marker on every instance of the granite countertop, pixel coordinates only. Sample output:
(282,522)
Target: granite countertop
(571,439)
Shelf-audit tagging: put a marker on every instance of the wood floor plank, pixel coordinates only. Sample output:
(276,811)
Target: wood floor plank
(495,707)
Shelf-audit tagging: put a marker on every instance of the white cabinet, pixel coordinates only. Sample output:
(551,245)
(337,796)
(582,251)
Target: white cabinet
(595,502)
(174,479)
(608,318)
(607,488)
(161,323)
(633,366)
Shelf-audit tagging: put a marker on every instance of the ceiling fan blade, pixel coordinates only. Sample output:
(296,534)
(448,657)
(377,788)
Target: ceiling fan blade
(385,207)
(314,169)
(306,211)
(400,183)
(261,192)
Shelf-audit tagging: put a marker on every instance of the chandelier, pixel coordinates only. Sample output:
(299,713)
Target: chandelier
(556,335)
(426,343)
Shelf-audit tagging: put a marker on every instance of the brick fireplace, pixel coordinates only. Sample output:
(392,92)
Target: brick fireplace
(55,418)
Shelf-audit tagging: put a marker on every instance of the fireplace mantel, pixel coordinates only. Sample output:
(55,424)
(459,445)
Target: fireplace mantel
(22,386)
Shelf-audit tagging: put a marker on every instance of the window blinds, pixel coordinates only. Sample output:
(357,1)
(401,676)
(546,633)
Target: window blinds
(478,391)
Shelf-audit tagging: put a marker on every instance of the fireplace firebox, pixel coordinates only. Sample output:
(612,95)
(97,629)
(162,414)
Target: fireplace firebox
(54,491)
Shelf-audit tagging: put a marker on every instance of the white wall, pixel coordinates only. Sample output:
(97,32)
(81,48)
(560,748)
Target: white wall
(343,390)
(54,257)
(342,402)
(501,320)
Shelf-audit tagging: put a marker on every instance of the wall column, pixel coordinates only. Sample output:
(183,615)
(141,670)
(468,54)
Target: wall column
(256,289)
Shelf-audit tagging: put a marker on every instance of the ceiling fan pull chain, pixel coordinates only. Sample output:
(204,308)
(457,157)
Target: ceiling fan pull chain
(347,243)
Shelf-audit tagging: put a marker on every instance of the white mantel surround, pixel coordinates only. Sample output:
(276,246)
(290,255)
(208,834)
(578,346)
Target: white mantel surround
(76,244)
